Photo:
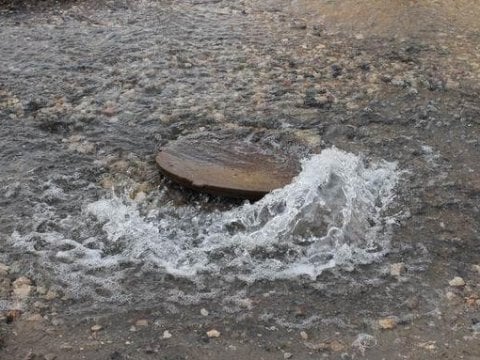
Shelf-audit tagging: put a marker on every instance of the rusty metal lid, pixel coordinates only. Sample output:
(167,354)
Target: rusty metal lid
(226,167)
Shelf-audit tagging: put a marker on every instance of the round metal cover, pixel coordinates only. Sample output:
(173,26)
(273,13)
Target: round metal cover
(229,168)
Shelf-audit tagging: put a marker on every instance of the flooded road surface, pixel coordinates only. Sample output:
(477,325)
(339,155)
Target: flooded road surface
(371,251)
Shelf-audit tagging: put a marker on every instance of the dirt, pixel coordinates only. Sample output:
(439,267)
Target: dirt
(90,90)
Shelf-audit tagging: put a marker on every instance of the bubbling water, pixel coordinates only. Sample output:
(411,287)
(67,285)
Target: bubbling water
(332,214)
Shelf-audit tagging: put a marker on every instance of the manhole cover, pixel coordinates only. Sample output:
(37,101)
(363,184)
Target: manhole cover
(229,168)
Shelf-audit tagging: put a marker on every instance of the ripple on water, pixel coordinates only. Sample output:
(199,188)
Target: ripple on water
(331,215)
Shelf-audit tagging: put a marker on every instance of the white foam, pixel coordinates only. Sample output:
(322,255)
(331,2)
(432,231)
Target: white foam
(332,214)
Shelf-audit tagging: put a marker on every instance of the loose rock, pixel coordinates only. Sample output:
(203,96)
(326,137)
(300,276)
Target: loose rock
(397,269)
(4,270)
(213,333)
(166,334)
(141,323)
(96,328)
(22,287)
(204,312)
(457,281)
(51,295)
(387,323)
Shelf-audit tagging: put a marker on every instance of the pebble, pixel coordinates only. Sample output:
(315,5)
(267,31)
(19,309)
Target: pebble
(213,333)
(303,335)
(22,287)
(34,317)
(457,281)
(22,280)
(287,355)
(298,24)
(476,268)
(387,323)
(109,111)
(204,312)
(333,345)
(96,328)
(5,287)
(166,334)
(451,296)
(51,295)
(41,290)
(140,197)
(397,269)
(141,323)
(4,269)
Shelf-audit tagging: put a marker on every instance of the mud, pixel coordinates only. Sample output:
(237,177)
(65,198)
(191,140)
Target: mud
(90,90)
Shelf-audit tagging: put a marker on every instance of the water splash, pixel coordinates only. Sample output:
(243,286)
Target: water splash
(332,214)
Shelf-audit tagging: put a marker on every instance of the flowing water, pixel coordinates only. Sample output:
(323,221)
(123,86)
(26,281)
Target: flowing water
(383,114)
(332,214)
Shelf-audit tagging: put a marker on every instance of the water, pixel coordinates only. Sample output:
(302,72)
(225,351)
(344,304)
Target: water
(331,215)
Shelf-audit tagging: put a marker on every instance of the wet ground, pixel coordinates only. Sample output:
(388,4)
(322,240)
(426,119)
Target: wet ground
(89,91)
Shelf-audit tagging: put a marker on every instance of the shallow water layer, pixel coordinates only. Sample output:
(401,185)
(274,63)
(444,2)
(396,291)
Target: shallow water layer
(89,91)
(332,214)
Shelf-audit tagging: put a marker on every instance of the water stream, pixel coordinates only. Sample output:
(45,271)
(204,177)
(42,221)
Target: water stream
(332,214)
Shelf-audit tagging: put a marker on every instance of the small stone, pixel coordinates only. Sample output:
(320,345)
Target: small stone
(387,323)
(204,312)
(457,281)
(51,295)
(23,291)
(336,346)
(476,268)
(140,197)
(41,290)
(166,334)
(58,322)
(451,296)
(412,91)
(4,269)
(34,317)
(106,183)
(413,302)
(141,323)
(218,117)
(397,269)
(429,345)
(50,356)
(213,333)
(22,280)
(13,315)
(298,24)
(303,335)
(471,300)
(96,328)
(109,111)
(287,355)
(5,288)
(452,85)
